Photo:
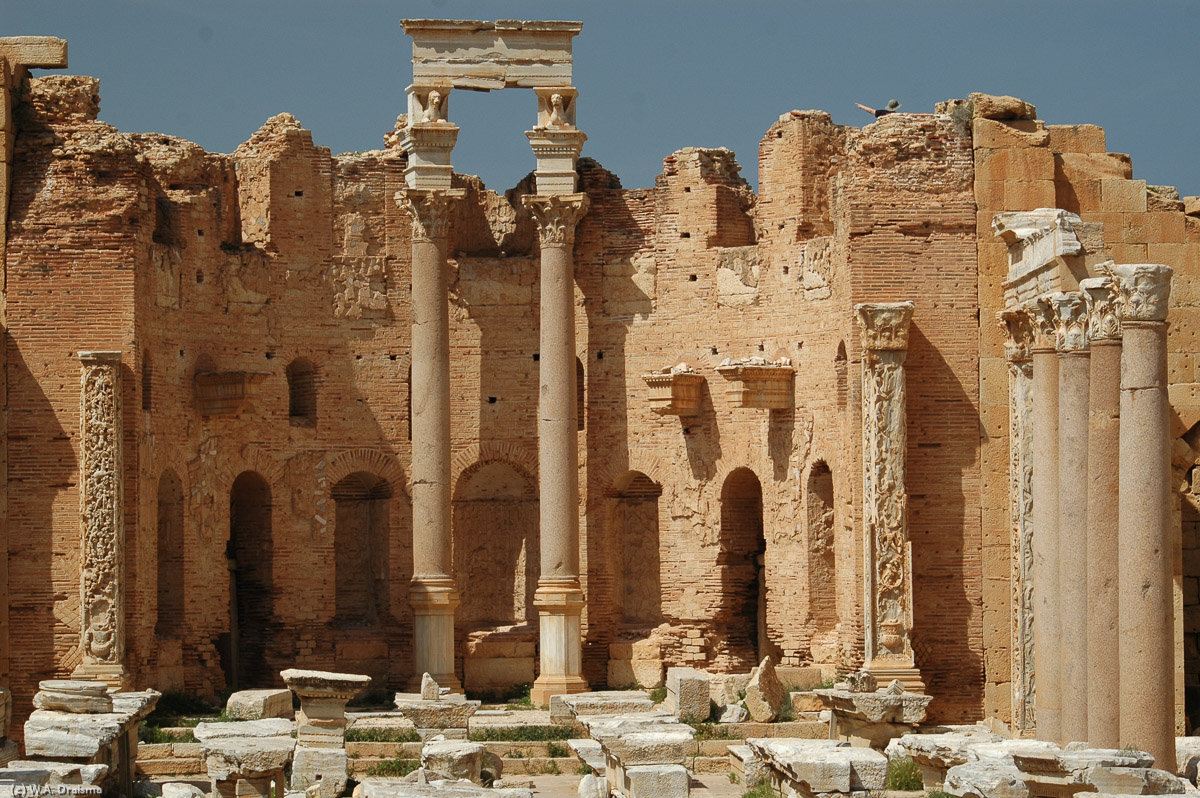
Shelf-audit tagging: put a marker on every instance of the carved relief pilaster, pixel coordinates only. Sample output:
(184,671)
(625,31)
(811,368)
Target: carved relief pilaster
(1019,335)
(1104,318)
(556,216)
(431,210)
(884,328)
(101,512)
(1070,322)
(1143,290)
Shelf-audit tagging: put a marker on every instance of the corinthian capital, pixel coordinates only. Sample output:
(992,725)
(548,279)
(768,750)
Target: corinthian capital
(1042,321)
(1143,290)
(1104,319)
(430,210)
(884,325)
(556,216)
(1018,334)
(1070,322)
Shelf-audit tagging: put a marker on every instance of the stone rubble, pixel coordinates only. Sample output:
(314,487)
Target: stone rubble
(765,695)
(260,704)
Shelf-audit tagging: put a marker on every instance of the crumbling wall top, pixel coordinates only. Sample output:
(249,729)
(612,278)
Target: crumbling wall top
(482,55)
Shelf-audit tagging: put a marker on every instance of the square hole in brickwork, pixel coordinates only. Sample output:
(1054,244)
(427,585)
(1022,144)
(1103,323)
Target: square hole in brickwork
(691,278)
(536,357)
(491,400)
(299,194)
(685,235)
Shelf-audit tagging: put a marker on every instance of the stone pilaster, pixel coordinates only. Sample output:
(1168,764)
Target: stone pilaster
(1074,365)
(1018,351)
(102,518)
(434,596)
(1104,432)
(1146,629)
(559,596)
(1047,623)
(888,556)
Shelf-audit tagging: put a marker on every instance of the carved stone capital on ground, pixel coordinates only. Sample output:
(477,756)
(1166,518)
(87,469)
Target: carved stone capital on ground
(431,210)
(884,325)
(1143,290)
(1104,317)
(1070,322)
(1018,334)
(556,216)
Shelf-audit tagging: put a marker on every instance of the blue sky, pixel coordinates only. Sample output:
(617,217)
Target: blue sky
(653,76)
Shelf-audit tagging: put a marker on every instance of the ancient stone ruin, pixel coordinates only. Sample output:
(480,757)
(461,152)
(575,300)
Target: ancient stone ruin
(894,454)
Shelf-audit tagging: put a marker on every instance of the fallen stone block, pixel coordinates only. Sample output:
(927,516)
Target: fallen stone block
(732,713)
(378,787)
(655,781)
(564,709)
(259,704)
(990,779)
(269,727)
(429,688)
(74,696)
(458,759)
(179,789)
(748,766)
(64,735)
(1133,781)
(1002,752)
(653,746)
(451,711)
(1187,757)
(937,753)
(491,769)
(61,772)
(823,765)
(326,767)
(591,786)
(727,688)
(688,694)
(764,693)
(240,757)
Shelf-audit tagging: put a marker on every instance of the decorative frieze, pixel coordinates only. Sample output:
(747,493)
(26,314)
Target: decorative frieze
(755,383)
(102,519)
(675,391)
(556,216)
(889,617)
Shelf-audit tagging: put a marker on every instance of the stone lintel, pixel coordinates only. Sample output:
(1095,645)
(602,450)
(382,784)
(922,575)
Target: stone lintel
(485,56)
(34,52)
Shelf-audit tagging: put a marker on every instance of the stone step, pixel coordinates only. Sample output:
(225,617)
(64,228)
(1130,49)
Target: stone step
(525,766)
(708,764)
(175,766)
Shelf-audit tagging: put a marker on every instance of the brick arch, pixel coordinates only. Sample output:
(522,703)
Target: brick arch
(210,477)
(647,462)
(474,457)
(747,457)
(372,461)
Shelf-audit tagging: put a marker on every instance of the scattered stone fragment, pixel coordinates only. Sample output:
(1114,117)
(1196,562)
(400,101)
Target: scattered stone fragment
(429,688)
(732,713)
(688,694)
(259,704)
(764,694)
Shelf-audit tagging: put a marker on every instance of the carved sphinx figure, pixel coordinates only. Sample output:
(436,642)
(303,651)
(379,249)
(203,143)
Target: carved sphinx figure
(557,112)
(433,107)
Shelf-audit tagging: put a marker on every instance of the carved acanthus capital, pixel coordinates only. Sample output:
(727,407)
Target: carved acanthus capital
(431,210)
(884,325)
(556,216)
(1104,316)
(1042,321)
(1018,334)
(1070,322)
(1143,290)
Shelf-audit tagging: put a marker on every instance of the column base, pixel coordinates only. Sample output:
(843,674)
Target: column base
(434,602)
(560,608)
(115,676)
(885,671)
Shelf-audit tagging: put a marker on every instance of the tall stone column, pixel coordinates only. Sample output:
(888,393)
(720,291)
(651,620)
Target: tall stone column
(1017,350)
(102,518)
(434,596)
(1047,627)
(1104,430)
(888,556)
(1147,655)
(559,596)
(1074,370)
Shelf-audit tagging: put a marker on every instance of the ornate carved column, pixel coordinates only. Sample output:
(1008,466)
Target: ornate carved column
(434,596)
(1074,365)
(1104,432)
(1047,626)
(1018,351)
(102,518)
(559,596)
(888,600)
(1146,628)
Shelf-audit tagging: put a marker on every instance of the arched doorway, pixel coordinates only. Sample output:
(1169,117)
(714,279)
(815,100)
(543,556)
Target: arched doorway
(361,545)
(170,556)
(637,584)
(822,564)
(741,563)
(250,552)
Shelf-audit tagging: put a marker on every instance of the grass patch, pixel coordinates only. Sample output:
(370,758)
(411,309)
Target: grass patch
(517,695)
(940,794)
(394,767)
(154,735)
(761,789)
(584,770)
(371,698)
(177,709)
(381,735)
(714,731)
(521,734)
(556,750)
(658,695)
(904,774)
(787,713)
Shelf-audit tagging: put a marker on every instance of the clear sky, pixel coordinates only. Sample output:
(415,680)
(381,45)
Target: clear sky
(653,76)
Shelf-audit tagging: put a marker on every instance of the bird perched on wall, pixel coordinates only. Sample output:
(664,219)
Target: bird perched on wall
(892,107)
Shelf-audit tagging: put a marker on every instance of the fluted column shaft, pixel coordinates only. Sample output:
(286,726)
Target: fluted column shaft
(1147,656)
(1074,367)
(1104,424)
(1047,626)
(433,595)
(559,596)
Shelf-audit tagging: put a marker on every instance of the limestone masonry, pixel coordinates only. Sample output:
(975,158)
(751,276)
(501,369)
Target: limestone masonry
(926,405)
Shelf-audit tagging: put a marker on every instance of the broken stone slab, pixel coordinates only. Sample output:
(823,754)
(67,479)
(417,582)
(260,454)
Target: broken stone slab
(268,727)
(743,761)
(1002,752)
(451,711)
(653,746)
(229,758)
(458,759)
(823,765)
(429,688)
(1187,757)
(764,693)
(325,683)
(65,735)
(937,753)
(378,787)
(652,781)
(732,713)
(325,768)
(590,752)
(727,688)
(985,779)
(260,704)
(181,789)
(61,772)
(688,694)
(877,707)
(29,773)
(630,722)
(564,709)
(1134,781)
(73,695)
(135,705)
(1073,761)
